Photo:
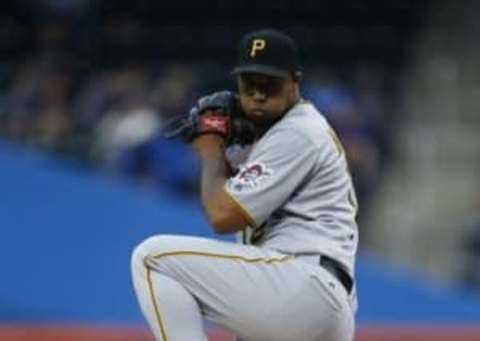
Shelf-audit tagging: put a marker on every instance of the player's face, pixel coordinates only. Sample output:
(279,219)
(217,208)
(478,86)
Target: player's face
(265,98)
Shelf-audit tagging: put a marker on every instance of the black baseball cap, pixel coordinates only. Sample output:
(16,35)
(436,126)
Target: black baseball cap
(268,52)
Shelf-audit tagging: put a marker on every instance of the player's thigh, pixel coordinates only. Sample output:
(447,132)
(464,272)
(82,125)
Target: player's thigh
(219,274)
(165,249)
(197,259)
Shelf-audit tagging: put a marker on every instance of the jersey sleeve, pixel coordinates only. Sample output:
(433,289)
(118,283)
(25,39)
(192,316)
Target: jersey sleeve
(278,164)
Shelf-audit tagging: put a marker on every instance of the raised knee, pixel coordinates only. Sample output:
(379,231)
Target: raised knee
(153,246)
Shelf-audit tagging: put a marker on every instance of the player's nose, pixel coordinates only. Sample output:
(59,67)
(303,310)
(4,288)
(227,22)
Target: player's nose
(258,96)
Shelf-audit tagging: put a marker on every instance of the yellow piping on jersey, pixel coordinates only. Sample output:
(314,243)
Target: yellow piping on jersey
(160,321)
(243,210)
(224,256)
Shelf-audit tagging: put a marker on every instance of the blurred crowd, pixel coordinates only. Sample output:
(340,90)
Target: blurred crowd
(96,81)
(109,118)
(112,118)
(470,246)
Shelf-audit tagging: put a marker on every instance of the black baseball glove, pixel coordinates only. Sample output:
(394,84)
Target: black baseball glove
(217,113)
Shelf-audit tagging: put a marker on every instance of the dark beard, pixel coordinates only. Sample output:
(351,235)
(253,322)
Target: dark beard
(262,121)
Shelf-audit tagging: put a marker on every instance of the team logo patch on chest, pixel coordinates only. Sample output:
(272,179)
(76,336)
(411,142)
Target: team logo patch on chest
(250,177)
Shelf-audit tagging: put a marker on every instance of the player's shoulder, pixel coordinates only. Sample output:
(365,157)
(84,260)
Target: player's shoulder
(305,120)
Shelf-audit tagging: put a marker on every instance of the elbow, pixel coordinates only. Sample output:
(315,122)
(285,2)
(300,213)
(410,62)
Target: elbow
(223,223)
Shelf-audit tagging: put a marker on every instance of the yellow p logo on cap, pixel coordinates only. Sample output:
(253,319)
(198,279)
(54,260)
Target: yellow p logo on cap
(257,45)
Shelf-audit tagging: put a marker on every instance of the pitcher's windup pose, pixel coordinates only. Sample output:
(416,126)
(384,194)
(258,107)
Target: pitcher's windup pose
(275,173)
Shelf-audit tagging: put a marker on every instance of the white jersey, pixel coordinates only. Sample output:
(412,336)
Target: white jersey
(295,189)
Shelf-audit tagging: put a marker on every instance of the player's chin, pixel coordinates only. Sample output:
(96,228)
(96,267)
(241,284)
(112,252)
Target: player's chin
(258,117)
(262,118)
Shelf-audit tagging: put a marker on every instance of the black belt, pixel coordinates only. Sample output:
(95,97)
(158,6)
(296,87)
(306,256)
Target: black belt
(338,270)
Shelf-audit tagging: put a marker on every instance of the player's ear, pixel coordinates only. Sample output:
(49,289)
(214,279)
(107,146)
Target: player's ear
(297,76)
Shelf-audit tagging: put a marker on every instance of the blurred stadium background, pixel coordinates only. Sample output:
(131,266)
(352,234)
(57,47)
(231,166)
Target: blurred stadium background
(85,87)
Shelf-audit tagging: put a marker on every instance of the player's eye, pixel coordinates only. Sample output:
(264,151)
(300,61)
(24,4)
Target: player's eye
(269,86)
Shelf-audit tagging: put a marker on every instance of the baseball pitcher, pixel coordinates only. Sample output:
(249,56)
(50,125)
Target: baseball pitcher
(275,173)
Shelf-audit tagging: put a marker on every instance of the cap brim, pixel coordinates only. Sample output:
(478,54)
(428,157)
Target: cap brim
(261,69)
